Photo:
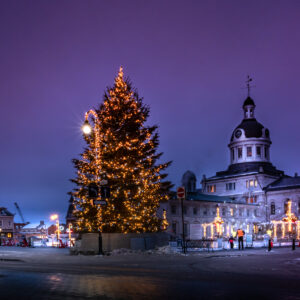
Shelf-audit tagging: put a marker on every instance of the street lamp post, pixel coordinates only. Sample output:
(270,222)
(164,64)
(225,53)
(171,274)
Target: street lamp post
(70,234)
(87,130)
(55,217)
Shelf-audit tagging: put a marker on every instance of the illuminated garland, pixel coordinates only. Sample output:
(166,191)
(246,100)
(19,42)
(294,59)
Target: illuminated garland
(288,219)
(217,222)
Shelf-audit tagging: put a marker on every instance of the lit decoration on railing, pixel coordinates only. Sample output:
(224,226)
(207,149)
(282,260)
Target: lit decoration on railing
(289,219)
(204,229)
(218,221)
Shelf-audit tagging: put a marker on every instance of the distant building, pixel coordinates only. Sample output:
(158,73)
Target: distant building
(249,193)
(6,223)
(38,231)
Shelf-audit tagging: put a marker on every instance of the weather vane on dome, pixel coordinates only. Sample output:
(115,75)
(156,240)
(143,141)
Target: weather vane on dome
(249,79)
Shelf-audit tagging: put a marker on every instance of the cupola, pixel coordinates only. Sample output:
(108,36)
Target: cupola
(250,140)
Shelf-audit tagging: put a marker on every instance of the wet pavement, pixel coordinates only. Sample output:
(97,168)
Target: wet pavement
(54,274)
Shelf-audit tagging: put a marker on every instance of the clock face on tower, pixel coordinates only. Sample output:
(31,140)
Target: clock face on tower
(238,133)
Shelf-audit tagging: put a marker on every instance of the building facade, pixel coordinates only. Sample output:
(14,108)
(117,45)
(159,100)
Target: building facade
(6,223)
(251,193)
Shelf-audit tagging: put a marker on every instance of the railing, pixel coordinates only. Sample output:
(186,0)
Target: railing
(202,244)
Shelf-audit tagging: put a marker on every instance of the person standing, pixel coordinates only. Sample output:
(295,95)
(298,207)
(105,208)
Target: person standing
(270,246)
(240,234)
(231,241)
(294,244)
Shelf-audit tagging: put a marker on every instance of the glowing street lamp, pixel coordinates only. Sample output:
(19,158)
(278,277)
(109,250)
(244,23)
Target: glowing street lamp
(86,127)
(53,217)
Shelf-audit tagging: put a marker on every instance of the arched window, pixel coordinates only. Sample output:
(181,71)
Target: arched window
(174,227)
(286,206)
(273,209)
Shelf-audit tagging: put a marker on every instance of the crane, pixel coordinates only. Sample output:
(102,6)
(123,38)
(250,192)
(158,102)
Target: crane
(20,213)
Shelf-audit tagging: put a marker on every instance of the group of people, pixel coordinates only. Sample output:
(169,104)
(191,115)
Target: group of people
(240,235)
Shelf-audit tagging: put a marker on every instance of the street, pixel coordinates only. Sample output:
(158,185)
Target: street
(47,273)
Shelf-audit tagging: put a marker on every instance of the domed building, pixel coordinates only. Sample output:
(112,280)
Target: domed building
(250,193)
(250,167)
(189,181)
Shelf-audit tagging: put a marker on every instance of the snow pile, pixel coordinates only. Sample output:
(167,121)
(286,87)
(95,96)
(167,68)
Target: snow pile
(165,250)
(123,251)
(160,251)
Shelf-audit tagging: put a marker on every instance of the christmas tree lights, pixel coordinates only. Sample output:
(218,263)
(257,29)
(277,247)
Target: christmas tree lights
(122,150)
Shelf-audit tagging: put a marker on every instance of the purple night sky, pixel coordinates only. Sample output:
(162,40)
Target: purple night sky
(188,59)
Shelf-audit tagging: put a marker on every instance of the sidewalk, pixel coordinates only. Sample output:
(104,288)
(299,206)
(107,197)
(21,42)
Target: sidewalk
(55,255)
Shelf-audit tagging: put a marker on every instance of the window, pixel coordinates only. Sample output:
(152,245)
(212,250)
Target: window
(173,209)
(248,212)
(285,206)
(205,211)
(272,208)
(251,199)
(230,186)
(249,151)
(184,210)
(266,152)
(232,154)
(211,188)
(0,223)
(174,226)
(240,212)
(258,151)
(195,210)
(223,211)
(251,183)
(240,152)
(256,213)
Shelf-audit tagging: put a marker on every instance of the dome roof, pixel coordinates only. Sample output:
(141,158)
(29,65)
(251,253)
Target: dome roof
(252,129)
(189,181)
(187,176)
(248,101)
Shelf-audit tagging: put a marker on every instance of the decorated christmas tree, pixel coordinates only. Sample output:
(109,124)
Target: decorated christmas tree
(122,150)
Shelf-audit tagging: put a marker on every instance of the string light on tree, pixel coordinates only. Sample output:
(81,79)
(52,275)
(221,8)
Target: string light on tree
(121,149)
